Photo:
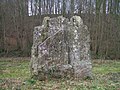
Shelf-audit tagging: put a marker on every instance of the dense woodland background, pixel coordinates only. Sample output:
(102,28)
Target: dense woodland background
(19,17)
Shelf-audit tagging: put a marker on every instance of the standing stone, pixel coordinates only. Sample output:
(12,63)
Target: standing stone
(61,48)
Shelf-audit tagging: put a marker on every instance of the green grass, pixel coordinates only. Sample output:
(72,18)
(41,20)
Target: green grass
(15,74)
(104,67)
(14,69)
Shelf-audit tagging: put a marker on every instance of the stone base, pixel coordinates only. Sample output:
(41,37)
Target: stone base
(61,49)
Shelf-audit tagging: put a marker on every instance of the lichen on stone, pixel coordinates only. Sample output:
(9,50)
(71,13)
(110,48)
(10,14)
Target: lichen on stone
(61,48)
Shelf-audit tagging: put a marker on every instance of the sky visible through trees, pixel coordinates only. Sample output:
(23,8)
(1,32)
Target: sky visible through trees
(85,5)
(19,17)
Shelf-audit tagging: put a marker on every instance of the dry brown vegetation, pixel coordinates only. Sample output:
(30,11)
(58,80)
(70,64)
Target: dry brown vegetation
(101,16)
(14,75)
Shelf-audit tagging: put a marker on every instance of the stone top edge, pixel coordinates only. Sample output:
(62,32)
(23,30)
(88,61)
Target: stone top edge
(74,19)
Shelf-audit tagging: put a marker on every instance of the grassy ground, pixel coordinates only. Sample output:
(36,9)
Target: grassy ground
(15,75)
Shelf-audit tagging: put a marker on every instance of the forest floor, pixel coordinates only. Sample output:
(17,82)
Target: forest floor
(15,75)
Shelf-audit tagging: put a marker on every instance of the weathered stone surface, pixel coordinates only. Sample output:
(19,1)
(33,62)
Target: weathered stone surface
(61,49)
